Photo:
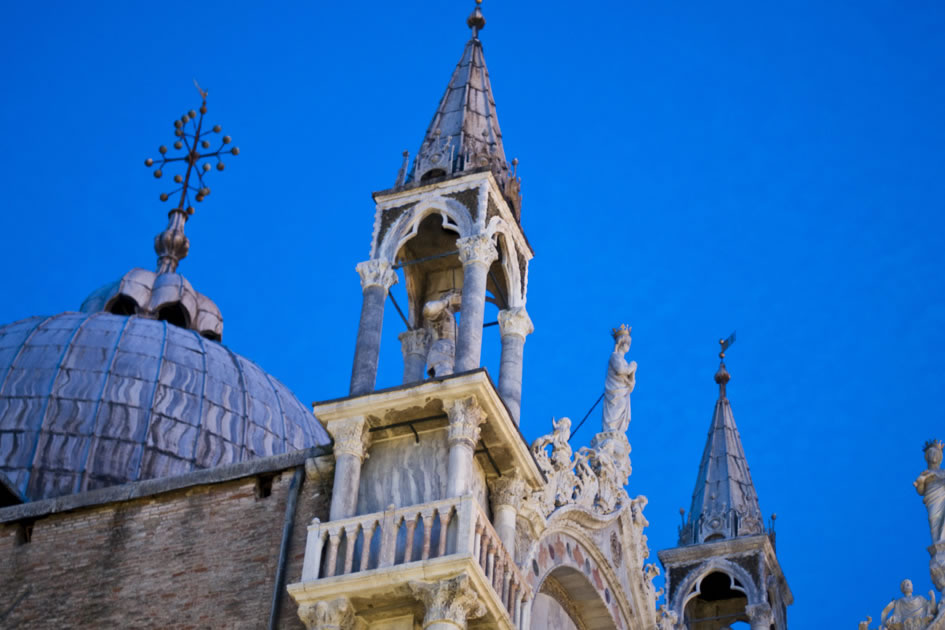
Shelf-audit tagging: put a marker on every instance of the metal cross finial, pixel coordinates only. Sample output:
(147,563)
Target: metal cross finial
(476,21)
(722,376)
(172,244)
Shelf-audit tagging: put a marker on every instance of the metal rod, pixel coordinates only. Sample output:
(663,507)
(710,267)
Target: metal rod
(490,324)
(407,263)
(405,423)
(399,312)
(498,289)
(586,416)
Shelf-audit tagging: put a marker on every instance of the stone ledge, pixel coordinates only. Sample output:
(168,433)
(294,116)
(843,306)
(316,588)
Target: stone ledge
(151,487)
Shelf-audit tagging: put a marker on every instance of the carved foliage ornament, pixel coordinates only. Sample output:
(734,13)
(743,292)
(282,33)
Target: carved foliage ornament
(453,600)
(477,249)
(508,490)
(350,436)
(415,342)
(335,614)
(376,272)
(465,416)
(515,321)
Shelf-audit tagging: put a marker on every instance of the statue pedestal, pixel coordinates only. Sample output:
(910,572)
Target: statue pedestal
(937,565)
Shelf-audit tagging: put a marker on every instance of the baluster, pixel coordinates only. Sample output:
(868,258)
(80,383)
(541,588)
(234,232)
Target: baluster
(516,604)
(526,612)
(498,574)
(388,538)
(334,537)
(445,516)
(477,542)
(411,527)
(314,545)
(490,560)
(506,587)
(368,532)
(351,535)
(427,516)
(483,551)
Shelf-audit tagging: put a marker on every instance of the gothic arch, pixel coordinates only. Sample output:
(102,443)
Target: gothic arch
(687,588)
(564,554)
(455,215)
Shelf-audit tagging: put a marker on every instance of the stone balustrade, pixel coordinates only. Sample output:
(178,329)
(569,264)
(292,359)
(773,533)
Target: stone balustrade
(400,536)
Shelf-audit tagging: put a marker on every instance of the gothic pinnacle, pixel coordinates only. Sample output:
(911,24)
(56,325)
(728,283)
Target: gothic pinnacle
(476,21)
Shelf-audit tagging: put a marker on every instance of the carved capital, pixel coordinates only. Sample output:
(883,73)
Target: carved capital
(414,342)
(453,600)
(477,249)
(351,436)
(465,417)
(508,490)
(760,615)
(334,614)
(515,321)
(376,272)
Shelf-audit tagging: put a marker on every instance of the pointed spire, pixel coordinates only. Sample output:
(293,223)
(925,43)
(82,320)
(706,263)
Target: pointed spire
(724,501)
(464,134)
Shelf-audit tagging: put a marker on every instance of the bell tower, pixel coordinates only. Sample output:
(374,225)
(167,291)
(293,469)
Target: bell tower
(725,568)
(451,226)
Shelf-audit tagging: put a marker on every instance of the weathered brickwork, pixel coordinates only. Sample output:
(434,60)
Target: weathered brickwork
(200,557)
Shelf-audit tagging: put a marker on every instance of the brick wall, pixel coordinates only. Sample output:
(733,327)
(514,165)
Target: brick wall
(200,557)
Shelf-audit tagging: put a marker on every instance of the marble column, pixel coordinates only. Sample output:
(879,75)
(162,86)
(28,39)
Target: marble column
(514,326)
(377,277)
(449,604)
(507,494)
(414,344)
(476,253)
(351,438)
(465,417)
(334,614)
(759,616)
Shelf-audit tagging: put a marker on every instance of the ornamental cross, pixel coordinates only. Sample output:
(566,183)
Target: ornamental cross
(194,141)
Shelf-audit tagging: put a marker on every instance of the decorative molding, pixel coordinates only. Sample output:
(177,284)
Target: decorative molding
(553,589)
(414,342)
(509,490)
(335,614)
(465,416)
(376,272)
(453,600)
(478,248)
(351,436)
(515,321)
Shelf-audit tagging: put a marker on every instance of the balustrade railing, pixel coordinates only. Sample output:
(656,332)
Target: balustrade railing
(416,534)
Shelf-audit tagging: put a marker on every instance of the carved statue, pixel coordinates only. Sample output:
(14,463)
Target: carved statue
(931,485)
(865,625)
(440,322)
(621,378)
(557,467)
(908,612)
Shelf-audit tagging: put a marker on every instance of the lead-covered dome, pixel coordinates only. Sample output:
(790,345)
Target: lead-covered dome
(93,400)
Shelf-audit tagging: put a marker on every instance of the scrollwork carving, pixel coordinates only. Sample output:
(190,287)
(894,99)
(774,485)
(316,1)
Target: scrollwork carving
(453,600)
(465,416)
(376,273)
(478,248)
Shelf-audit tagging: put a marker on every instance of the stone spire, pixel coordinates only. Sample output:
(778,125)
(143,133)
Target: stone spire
(724,501)
(464,134)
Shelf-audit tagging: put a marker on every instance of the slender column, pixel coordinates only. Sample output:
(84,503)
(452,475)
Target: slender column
(759,616)
(351,440)
(507,494)
(414,344)
(449,603)
(514,326)
(377,277)
(465,417)
(476,253)
(334,614)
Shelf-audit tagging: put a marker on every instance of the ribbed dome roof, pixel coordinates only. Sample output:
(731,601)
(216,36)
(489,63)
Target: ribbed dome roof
(93,400)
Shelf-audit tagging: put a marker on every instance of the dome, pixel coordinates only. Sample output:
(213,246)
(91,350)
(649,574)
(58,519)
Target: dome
(93,400)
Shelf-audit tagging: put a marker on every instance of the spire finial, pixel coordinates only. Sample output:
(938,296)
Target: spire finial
(476,21)
(722,376)
(172,244)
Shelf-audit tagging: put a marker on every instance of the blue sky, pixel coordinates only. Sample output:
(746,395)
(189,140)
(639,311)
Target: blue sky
(688,168)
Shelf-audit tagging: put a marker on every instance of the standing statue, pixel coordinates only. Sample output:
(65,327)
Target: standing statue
(908,612)
(440,322)
(931,485)
(621,378)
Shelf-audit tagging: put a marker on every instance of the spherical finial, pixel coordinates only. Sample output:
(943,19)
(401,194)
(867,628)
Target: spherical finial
(476,21)
(722,376)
